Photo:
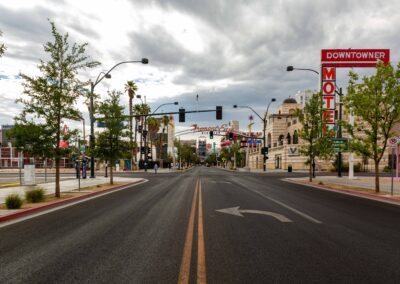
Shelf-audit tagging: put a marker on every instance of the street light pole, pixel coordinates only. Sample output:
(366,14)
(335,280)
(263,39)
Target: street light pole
(265,139)
(91,108)
(264,120)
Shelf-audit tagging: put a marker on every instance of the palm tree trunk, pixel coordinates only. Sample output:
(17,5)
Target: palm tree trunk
(130,129)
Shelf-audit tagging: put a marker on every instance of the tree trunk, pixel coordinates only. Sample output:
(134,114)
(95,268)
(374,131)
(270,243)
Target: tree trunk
(111,174)
(377,176)
(136,128)
(57,176)
(130,129)
(57,158)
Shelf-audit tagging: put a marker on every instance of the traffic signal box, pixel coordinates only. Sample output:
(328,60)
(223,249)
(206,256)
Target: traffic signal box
(230,136)
(211,135)
(181,115)
(219,113)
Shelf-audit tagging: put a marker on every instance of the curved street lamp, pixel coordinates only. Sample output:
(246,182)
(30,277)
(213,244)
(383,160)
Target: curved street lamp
(174,103)
(99,78)
(291,68)
(264,120)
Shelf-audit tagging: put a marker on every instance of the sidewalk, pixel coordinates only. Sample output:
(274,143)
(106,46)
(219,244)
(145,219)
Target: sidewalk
(66,185)
(90,188)
(359,186)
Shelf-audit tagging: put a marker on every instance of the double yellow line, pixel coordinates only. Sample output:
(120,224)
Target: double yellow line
(184,273)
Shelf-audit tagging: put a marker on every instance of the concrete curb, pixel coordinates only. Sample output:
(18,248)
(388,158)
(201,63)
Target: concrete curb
(30,211)
(365,195)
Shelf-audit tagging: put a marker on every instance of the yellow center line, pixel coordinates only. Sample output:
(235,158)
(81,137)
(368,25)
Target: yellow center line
(184,273)
(201,254)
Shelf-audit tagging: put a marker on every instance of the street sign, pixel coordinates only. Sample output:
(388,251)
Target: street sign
(354,57)
(340,144)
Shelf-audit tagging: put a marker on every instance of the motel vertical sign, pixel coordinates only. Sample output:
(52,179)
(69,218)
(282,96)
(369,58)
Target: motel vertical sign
(328,85)
(332,58)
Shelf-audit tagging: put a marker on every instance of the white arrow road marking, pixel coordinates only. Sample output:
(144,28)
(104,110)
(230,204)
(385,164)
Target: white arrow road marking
(237,212)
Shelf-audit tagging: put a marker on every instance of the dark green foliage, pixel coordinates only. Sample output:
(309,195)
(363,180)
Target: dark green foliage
(2,46)
(13,201)
(318,139)
(109,143)
(375,101)
(51,96)
(34,195)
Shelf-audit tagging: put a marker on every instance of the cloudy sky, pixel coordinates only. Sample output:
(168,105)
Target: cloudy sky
(226,51)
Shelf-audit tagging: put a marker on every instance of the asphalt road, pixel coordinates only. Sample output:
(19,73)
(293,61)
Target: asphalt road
(168,230)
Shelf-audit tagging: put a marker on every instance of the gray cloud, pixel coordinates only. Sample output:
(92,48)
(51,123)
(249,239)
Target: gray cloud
(248,44)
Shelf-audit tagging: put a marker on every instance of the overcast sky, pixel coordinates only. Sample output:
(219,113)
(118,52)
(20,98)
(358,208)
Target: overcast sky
(226,51)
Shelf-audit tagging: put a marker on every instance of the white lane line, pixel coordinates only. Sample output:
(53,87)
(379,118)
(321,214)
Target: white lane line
(7,223)
(304,215)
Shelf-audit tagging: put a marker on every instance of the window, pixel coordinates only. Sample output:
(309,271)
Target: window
(280,140)
(295,137)
(269,140)
(288,138)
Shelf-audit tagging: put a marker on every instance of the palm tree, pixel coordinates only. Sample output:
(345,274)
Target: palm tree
(165,121)
(137,110)
(131,88)
(154,127)
(141,109)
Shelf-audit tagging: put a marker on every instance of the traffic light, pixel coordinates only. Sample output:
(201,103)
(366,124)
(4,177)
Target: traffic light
(264,150)
(142,150)
(181,115)
(219,112)
(148,150)
(230,136)
(211,135)
(140,128)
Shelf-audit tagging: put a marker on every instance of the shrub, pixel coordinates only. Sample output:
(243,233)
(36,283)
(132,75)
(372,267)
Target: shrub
(34,195)
(13,201)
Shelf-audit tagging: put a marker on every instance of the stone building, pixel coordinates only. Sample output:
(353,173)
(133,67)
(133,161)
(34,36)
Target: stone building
(283,143)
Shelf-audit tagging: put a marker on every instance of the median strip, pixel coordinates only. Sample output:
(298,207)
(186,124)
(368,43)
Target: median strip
(184,273)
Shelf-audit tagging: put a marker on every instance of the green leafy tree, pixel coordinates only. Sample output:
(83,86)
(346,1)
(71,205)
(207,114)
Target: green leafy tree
(186,153)
(318,140)
(131,88)
(32,138)
(375,101)
(110,145)
(2,46)
(51,96)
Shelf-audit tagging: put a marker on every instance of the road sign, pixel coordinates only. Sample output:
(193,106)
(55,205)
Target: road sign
(341,144)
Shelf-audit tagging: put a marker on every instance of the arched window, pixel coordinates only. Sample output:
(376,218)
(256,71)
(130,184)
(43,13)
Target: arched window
(288,138)
(269,140)
(295,137)
(280,140)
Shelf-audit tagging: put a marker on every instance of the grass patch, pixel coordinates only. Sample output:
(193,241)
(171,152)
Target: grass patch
(35,195)
(13,201)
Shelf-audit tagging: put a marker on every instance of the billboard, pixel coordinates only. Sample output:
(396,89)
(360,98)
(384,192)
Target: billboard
(354,57)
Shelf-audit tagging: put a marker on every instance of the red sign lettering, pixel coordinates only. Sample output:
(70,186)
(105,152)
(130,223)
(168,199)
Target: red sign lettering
(328,73)
(354,57)
(328,102)
(329,116)
(328,88)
